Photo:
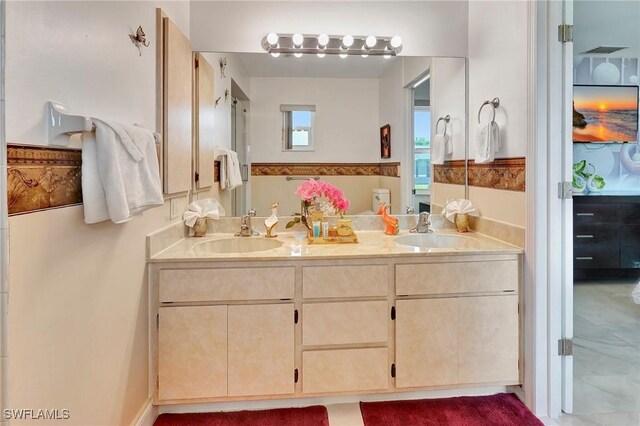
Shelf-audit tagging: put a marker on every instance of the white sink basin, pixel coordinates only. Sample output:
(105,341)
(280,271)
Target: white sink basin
(236,245)
(427,241)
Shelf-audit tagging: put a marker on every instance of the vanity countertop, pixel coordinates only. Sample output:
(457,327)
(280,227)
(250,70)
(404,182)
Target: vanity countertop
(371,244)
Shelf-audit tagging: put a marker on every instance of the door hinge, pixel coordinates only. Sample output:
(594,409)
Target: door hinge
(295,376)
(393,370)
(196,62)
(565,347)
(565,33)
(157,320)
(157,382)
(197,177)
(295,316)
(393,312)
(565,190)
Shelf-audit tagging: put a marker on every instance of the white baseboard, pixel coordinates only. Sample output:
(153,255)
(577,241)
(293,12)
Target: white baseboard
(147,414)
(268,404)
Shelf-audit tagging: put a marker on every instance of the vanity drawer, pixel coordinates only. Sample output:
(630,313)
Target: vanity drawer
(629,213)
(344,323)
(463,277)
(597,259)
(587,213)
(345,370)
(592,236)
(344,281)
(210,285)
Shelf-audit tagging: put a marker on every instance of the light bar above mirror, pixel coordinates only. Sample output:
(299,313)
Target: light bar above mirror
(323,44)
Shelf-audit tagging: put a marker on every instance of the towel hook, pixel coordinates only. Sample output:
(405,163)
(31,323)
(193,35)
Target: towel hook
(446,119)
(495,103)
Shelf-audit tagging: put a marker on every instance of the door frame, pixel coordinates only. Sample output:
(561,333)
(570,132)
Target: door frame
(548,271)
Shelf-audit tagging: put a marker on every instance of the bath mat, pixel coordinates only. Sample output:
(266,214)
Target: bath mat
(308,416)
(503,409)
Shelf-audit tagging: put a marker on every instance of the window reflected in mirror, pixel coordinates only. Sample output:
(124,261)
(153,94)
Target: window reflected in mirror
(298,127)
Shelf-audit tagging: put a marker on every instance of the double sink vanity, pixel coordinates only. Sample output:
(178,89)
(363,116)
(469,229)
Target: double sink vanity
(254,318)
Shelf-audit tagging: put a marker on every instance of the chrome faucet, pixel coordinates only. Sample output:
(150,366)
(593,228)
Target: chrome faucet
(245,226)
(423,226)
(409,210)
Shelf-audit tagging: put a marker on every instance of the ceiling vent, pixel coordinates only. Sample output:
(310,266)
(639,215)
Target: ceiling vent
(604,50)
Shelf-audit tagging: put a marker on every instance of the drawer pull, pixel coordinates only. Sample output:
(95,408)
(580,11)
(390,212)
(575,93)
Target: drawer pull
(584,214)
(584,258)
(584,236)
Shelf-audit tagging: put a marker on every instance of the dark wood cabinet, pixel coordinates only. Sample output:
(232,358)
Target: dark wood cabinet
(606,236)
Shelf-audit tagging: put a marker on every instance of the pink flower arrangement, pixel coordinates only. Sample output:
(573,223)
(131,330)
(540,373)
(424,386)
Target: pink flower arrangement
(312,189)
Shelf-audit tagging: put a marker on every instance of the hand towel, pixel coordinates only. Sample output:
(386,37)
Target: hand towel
(487,142)
(128,171)
(230,176)
(459,207)
(440,148)
(208,207)
(93,198)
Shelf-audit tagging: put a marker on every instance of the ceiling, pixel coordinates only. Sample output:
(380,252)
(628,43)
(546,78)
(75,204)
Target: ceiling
(607,23)
(310,66)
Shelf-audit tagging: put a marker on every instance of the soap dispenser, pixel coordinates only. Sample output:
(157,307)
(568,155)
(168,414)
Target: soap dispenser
(272,221)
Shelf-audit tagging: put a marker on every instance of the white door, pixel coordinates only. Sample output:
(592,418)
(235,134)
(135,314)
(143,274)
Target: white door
(567,211)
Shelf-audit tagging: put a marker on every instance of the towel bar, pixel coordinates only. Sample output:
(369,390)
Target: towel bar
(495,103)
(60,125)
(302,177)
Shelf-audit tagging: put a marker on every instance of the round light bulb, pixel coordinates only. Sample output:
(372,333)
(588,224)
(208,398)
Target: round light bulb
(387,56)
(347,41)
(323,40)
(320,55)
(343,55)
(365,52)
(297,54)
(364,55)
(395,42)
(272,39)
(275,54)
(371,41)
(298,39)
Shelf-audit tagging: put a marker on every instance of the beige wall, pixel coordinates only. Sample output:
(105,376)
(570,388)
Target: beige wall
(441,192)
(500,205)
(78,329)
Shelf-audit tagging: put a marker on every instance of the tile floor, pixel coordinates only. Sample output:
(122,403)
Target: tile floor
(606,361)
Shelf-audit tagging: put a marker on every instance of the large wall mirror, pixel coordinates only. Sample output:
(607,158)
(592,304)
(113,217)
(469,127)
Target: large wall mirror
(366,125)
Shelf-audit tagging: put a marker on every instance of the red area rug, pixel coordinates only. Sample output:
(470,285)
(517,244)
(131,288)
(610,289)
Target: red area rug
(307,416)
(503,409)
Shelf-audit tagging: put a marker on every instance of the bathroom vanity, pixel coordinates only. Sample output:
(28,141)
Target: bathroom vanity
(298,321)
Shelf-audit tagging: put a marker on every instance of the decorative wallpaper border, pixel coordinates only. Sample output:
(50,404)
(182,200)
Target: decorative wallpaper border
(325,169)
(41,178)
(451,172)
(503,173)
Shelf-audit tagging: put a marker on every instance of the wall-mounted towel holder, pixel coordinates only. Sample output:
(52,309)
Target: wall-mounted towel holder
(60,125)
(446,119)
(495,103)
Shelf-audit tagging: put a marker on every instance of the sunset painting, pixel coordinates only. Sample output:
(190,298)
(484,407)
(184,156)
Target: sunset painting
(605,114)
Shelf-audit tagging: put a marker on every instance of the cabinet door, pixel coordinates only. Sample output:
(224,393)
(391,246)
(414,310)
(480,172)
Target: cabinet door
(205,105)
(192,352)
(488,339)
(177,109)
(261,350)
(426,342)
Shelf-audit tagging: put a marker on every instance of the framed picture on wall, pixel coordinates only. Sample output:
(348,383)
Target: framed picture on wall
(385,141)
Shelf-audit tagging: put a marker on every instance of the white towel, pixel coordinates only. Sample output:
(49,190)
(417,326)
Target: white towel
(208,207)
(230,176)
(123,161)
(440,148)
(487,143)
